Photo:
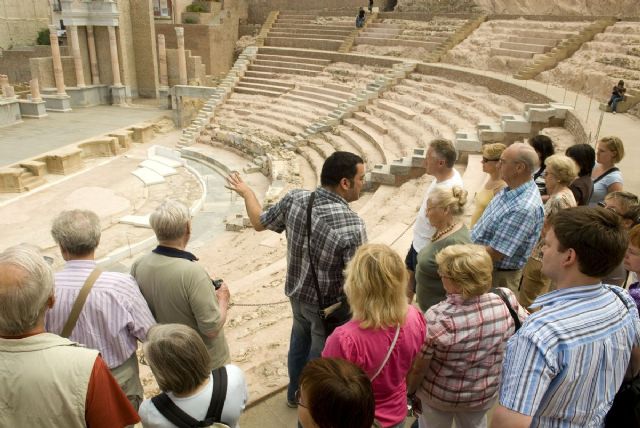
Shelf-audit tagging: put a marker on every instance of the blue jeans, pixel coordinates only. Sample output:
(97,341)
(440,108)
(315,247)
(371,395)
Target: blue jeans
(613,102)
(307,341)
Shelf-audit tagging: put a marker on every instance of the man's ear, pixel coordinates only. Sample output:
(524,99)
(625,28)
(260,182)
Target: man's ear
(570,257)
(51,301)
(345,183)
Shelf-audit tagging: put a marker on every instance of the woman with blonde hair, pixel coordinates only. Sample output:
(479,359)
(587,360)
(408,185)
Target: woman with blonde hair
(385,332)
(560,173)
(457,373)
(490,158)
(445,208)
(606,175)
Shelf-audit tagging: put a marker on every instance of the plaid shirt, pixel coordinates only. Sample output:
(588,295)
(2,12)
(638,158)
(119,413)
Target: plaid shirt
(336,233)
(511,224)
(465,344)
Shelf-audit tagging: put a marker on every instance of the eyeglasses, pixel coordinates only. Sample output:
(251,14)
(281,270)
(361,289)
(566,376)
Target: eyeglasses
(297,398)
(485,160)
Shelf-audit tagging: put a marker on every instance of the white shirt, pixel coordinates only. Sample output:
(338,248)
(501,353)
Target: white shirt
(423,231)
(198,404)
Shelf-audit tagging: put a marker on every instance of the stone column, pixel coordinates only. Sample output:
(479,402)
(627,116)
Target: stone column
(35,90)
(57,62)
(77,58)
(91,41)
(162,60)
(182,59)
(115,64)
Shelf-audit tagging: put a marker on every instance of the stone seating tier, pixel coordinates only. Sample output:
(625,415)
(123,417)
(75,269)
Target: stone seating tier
(511,53)
(307,35)
(319,44)
(360,40)
(525,47)
(270,82)
(289,64)
(284,70)
(249,90)
(17,180)
(533,41)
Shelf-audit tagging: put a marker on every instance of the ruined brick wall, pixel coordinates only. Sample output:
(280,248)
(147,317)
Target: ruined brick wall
(20,21)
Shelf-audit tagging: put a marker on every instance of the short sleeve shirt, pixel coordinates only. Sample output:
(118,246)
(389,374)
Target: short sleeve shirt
(336,233)
(600,187)
(511,224)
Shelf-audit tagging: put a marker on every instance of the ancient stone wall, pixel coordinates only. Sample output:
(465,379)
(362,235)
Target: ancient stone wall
(15,63)
(20,21)
(144,46)
(259,9)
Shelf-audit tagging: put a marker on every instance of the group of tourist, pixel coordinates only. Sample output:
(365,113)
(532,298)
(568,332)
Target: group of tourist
(515,313)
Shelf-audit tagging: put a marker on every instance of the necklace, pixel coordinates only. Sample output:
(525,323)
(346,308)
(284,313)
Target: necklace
(443,232)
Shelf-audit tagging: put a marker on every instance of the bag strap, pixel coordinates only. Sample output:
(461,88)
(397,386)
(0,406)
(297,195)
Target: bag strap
(513,313)
(607,172)
(393,345)
(218,396)
(173,413)
(316,285)
(79,303)
(181,419)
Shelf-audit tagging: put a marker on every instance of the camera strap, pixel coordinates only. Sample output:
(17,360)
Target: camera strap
(316,285)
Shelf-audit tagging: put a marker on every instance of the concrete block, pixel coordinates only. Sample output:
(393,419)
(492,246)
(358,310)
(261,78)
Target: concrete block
(467,141)
(33,109)
(561,109)
(148,177)
(158,167)
(513,123)
(59,103)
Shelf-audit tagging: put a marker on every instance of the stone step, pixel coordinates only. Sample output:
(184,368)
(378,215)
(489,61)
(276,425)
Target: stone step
(259,74)
(30,181)
(533,41)
(553,35)
(316,61)
(380,31)
(326,91)
(306,35)
(511,53)
(313,100)
(304,110)
(525,47)
(313,157)
(291,15)
(284,64)
(394,42)
(318,30)
(321,146)
(427,38)
(354,139)
(319,44)
(404,112)
(283,70)
(372,121)
(385,25)
(278,124)
(375,138)
(256,89)
(314,26)
(338,87)
(283,122)
(270,82)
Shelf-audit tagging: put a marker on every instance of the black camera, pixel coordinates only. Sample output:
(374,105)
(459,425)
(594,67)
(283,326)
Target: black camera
(217,283)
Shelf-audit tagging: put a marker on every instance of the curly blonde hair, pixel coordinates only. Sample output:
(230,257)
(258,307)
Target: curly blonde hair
(563,167)
(454,198)
(375,286)
(469,266)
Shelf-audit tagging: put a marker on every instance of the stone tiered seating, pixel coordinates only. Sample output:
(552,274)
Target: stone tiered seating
(309,31)
(598,65)
(508,45)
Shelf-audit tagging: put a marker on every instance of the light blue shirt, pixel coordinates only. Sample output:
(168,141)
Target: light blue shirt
(511,224)
(566,363)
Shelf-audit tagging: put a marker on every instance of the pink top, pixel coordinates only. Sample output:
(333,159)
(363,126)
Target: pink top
(367,348)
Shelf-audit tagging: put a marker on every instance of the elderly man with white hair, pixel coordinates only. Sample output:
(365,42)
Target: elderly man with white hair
(179,290)
(101,310)
(48,380)
(512,222)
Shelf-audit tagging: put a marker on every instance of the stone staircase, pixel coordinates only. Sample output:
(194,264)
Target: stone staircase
(562,50)
(296,30)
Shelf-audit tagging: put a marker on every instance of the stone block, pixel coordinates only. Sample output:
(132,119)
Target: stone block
(561,109)
(59,103)
(382,174)
(9,112)
(158,167)
(515,123)
(142,133)
(136,220)
(64,162)
(124,137)
(148,177)
(467,141)
(234,223)
(102,147)
(33,109)
(37,168)
(118,95)
(490,133)
(418,157)
(401,166)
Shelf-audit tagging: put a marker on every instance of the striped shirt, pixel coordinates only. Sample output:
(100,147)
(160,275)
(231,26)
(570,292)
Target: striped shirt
(511,224)
(114,317)
(465,344)
(566,363)
(336,233)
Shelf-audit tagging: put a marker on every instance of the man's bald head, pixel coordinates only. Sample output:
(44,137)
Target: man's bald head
(26,284)
(517,164)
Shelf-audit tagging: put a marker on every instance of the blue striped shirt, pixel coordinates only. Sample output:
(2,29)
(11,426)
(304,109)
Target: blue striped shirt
(511,224)
(566,363)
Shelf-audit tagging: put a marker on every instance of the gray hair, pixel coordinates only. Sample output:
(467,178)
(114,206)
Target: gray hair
(178,357)
(445,150)
(527,155)
(26,283)
(169,221)
(76,231)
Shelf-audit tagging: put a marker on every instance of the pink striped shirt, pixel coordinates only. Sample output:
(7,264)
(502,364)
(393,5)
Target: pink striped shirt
(114,317)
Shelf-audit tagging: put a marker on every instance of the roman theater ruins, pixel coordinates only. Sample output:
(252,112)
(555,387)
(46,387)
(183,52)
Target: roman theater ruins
(133,104)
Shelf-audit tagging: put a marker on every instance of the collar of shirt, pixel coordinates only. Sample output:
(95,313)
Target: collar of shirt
(80,264)
(174,252)
(328,194)
(511,194)
(571,293)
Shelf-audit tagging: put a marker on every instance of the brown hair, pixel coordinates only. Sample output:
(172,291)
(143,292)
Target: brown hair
(634,236)
(595,234)
(337,393)
(615,145)
(178,357)
(445,150)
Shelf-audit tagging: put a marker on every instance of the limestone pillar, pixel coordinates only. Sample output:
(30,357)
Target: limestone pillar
(182,59)
(57,61)
(77,58)
(93,59)
(162,60)
(115,64)
(35,90)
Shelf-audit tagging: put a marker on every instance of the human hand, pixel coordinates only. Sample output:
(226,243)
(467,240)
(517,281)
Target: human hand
(223,294)
(235,183)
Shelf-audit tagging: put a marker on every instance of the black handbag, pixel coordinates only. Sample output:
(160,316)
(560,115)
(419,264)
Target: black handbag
(625,411)
(335,314)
